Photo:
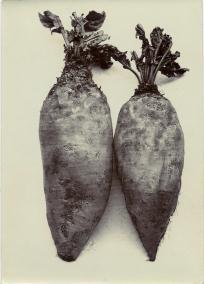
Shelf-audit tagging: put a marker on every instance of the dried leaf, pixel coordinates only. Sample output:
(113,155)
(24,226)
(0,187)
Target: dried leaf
(156,36)
(50,20)
(46,22)
(140,32)
(55,19)
(94,21)
(145,43)
(117,55)
(101,56)
(172,69)
(98,39)
(58,30)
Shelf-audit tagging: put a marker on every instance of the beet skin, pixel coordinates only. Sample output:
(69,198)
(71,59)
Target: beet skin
(76,144)
(149,147)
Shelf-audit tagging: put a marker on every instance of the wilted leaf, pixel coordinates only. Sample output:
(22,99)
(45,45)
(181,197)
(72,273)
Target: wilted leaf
(156,36)
(58,30)
(118,55)
(140,32)
(94,21)
(96,38)
(50,20)
(46,22)
(166,42)
(101,55)
(170,57)
(55,19)
(172,69)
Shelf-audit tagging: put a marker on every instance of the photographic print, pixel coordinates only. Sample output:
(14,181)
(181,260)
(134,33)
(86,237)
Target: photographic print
(102,115)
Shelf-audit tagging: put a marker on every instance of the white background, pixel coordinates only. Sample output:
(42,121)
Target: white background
(32,59)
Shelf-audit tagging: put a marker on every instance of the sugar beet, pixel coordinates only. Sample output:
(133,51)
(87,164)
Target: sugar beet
(149,142)
(149,146)
(76,138)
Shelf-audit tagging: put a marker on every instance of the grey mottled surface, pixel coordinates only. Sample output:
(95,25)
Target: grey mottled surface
(149,147)
(76,144)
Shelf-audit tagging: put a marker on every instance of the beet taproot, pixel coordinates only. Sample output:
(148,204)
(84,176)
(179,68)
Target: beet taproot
(149,143)
(76,137)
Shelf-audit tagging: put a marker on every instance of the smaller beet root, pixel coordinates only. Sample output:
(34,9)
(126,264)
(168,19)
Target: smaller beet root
(149,141)
(149,147)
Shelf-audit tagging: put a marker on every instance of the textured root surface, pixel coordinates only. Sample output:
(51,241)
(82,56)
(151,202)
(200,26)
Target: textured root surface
(149,148)
(76,144)
(151,217)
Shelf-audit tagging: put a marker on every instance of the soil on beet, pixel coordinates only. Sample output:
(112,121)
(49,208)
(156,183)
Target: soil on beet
(76,143)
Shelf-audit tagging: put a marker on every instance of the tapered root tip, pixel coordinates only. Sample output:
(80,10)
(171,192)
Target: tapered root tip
(151,248)
(152,256)
(151,251)
(66,257)
(67,252)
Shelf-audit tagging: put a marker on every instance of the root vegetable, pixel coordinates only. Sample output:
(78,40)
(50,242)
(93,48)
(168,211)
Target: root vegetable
(76,137)
(149,143)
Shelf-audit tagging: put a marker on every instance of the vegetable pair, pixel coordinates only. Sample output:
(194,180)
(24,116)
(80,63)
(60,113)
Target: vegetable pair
(76,138)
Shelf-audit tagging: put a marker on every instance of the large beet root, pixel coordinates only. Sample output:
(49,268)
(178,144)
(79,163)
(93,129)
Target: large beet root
(76,140)
(149,147)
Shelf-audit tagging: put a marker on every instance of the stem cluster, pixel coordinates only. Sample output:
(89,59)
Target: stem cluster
(155,57)
(84,39)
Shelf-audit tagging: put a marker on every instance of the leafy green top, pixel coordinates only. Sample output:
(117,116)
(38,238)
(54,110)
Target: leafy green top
(83,41)
(156,56)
